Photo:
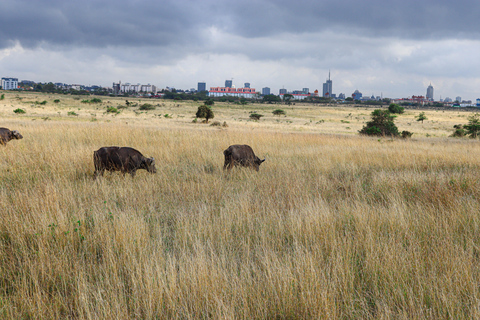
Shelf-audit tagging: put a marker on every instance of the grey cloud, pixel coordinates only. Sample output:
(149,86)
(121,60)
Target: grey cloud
(167,22)
(97,23)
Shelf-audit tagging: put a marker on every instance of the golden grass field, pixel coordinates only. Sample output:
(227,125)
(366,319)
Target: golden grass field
(333,226)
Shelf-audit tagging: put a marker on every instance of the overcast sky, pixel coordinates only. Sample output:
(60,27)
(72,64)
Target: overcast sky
(390,47)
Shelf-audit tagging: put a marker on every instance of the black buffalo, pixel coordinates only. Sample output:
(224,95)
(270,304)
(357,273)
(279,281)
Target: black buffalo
(7,135)
(242,155)
(124,159)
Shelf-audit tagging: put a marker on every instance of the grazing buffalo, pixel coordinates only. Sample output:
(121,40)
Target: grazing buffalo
(241,155)
(7,135)
(124,159)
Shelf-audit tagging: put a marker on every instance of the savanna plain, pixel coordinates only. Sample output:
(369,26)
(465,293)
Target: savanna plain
(334,225)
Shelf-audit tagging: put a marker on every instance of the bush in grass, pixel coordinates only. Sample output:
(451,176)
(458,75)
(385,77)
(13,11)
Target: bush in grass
(147,106)
(459,132)
(473,126)
(406,134)
(255,116)
(112,110)
(279,112)
(205,112)
(381,124)
(395,108)
(19,111)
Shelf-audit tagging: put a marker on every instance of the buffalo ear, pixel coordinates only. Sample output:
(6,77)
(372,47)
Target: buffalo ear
(263,160)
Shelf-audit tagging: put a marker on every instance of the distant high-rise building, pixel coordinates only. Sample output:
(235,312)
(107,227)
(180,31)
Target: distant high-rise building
(228,83)
(266,91)
(202,86)
(429,92)
(327,87)
(305,90)
(9,83)
(458,99)
(246,85)
(282,91)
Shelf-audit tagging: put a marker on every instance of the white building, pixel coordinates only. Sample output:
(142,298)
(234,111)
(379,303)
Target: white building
(234,92)
(9,83)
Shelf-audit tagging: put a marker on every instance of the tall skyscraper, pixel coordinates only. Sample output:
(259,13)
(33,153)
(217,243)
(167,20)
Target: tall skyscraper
(247,85)
(228,83)
(266,91)
(202,86)
(327,87)
(430,92)
(282,91)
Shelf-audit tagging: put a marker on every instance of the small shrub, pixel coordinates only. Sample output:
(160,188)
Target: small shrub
(381,124)
(56,101)
(224,124)
(255,116)
(459,132)
(112,110)
(168,116)
(195,120)
(72,113)
(279,112)
(406,134)
(19,111)
(147,106)
(2,97)
(209,102)
(96,100)
(216,124)
(395,108)
(85,101)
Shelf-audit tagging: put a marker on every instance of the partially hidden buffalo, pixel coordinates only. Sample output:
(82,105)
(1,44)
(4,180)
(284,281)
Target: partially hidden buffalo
(7,135)
(242,155)
(124,159)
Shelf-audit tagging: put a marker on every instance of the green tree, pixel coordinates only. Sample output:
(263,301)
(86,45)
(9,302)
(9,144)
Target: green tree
(287,98)
(473,126)
(205,112)
(279,112)
(271,98)
(422,117)
(209,102)
(381,124)
(395,108)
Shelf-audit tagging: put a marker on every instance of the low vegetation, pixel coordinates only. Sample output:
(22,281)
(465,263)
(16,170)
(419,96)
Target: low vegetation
(334,226)
(19,111)
(255,116)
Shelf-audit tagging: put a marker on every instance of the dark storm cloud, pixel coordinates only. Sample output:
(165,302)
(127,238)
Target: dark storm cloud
(413,19)
(96,23)
(168,22)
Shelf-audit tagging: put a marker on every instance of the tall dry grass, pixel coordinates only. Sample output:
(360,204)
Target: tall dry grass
(330,227)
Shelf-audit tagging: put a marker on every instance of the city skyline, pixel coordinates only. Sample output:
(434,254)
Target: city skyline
(396,48)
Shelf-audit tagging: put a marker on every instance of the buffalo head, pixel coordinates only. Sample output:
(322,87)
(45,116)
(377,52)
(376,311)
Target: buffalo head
(16,135)
(150,165)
